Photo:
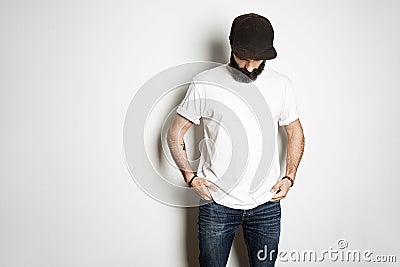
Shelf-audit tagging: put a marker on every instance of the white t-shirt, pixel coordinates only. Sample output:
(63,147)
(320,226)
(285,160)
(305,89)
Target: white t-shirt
(216,148)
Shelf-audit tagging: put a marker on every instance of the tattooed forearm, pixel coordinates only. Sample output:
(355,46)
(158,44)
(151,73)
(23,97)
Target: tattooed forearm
(177,146)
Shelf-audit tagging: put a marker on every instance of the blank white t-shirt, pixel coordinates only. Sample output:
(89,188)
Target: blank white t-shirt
(216,150)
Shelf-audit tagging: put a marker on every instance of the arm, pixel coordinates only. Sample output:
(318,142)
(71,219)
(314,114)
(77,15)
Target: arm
(294,154)
(176,144)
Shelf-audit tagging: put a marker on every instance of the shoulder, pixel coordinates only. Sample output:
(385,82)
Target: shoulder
(212,73)
(206,80)
(276,77)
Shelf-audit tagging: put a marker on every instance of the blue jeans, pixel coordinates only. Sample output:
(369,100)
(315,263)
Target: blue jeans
(218,225)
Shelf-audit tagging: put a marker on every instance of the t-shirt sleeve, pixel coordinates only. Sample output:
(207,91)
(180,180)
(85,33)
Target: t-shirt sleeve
(192,106)
(289,111)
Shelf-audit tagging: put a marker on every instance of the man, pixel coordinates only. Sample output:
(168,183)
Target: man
(220,212)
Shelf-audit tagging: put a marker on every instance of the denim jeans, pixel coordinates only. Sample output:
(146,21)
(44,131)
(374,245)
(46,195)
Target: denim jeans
(218,225)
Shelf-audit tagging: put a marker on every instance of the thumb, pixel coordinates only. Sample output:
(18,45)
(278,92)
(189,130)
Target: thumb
(275,187)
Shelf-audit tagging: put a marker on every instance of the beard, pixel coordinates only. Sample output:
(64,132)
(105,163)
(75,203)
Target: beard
(252,75)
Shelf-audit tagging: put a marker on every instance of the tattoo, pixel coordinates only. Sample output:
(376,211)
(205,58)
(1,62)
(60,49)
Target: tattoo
(183,146)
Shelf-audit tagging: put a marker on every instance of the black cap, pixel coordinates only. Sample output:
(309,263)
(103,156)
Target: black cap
(252,37)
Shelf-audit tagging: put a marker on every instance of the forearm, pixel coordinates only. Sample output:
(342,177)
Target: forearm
(177,148)
(295,151)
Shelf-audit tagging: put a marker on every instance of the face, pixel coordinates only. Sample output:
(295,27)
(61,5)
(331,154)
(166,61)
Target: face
(248,64)
(251,68)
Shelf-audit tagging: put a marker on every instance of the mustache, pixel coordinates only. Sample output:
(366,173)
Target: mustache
(251,74)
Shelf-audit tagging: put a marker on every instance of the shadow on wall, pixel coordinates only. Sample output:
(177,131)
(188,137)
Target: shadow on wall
(219,50)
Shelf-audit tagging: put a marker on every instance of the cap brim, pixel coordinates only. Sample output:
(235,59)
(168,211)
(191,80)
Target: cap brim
(255,55)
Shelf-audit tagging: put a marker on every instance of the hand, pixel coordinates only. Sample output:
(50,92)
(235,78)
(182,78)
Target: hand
(283,186)
(201,186)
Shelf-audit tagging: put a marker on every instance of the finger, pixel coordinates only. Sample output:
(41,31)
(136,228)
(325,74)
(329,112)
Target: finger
(277,198)
(211,186)
(203,193)
(206,195)
(275,187)
(280,195)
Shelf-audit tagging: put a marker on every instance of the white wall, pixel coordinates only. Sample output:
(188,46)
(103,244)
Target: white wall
(69,70)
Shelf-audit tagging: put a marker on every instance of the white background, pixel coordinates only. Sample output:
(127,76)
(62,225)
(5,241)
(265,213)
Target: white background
(69,69)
